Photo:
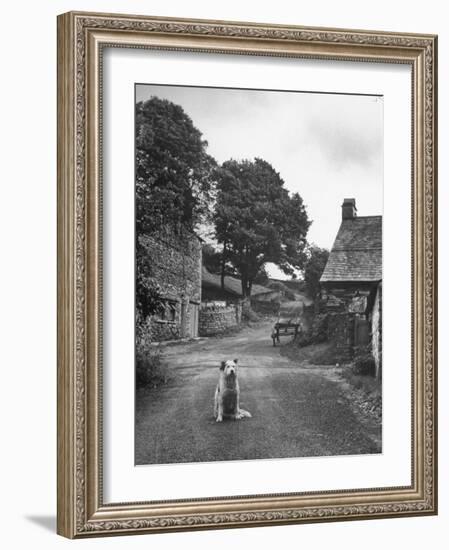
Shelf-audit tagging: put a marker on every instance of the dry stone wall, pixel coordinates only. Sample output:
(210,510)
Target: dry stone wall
(216,319)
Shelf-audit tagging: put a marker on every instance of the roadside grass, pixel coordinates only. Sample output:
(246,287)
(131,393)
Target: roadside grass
(365,382)
(365,389)
(314,354)
(151,371)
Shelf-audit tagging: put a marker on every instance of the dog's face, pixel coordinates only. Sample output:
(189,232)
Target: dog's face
(229,369)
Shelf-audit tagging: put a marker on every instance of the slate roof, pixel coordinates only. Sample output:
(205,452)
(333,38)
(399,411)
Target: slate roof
(232,285)
(357,251)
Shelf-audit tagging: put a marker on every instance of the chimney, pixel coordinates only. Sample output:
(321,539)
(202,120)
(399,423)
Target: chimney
(348,209)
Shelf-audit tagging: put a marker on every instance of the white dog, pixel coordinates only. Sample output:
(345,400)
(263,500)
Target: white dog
(227,394)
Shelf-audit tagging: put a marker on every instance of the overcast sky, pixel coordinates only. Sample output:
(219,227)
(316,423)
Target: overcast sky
(326,147)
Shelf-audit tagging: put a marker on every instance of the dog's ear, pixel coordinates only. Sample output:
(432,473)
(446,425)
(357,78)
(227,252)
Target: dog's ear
(222,366)
(236,361)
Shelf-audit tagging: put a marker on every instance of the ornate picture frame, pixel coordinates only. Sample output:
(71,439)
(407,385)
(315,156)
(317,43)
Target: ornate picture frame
(82,39)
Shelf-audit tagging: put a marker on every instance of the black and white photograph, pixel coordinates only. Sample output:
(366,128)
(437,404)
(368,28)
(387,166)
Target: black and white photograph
(258,274)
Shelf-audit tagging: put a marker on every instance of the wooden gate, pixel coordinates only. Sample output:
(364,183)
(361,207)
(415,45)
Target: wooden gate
(193,317)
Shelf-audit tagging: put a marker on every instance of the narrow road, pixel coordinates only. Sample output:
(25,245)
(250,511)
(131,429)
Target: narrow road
(296,411)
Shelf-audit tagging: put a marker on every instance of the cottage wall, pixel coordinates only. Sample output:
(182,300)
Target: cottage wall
(376,331)
(161,330)
(353,298)
(349,283)
(176,267)
(348,307)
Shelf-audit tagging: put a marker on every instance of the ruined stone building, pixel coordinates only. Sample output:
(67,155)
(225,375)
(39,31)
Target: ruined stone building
(176,267)
(351,285)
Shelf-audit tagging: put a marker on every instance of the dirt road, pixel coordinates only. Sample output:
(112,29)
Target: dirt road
(297,410)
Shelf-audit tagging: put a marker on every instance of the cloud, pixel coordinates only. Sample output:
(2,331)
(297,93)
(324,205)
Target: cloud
(325,146)
(348,137)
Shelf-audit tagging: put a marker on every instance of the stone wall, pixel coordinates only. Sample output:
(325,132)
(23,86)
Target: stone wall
(216,319)
(376,331)
(176,267)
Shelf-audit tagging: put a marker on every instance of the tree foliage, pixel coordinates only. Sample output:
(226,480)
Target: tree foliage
(174,182)
(174,174)
(148,292)
(257,220)
(212,259)
(262,277)
(314,267)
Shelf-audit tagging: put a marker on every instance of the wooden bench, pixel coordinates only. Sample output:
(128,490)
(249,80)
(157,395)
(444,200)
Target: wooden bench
(284,329)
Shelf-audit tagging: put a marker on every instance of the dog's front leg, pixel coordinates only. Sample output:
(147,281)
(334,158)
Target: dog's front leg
(216,403)
(218,406)
(220,411)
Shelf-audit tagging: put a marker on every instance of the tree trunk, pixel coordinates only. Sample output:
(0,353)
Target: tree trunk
(243,286)
(223,265)
(246,287)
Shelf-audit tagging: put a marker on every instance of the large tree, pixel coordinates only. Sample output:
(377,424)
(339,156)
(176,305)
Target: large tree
(314,267)
(174,183)
(174,173)
(257,220)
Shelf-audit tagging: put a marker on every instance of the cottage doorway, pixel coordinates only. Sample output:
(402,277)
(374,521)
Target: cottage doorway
(361,332)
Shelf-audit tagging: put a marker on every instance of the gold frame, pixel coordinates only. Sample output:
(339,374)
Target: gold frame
(81,37)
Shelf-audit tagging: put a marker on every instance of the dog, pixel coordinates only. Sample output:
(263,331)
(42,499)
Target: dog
(227,393)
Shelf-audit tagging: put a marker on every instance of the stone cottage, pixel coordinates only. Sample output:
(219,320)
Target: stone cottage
(351,285)
(176,266)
